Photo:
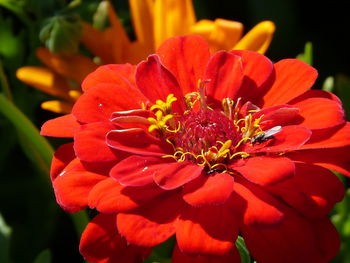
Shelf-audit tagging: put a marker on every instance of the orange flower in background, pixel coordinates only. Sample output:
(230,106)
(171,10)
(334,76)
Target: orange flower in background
(153,21)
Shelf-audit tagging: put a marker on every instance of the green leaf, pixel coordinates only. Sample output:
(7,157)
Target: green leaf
(243,251)
(100,18)
(24,126)
(17,7)
(43,257)
(11,47)
(4,83)
(343,90)
(328,84)
(163,252)
(61,34)
(39,147)
(307,55)
(74,4)
(5,235)
(80,220)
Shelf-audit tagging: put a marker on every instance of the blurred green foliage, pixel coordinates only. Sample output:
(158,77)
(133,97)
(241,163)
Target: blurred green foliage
(43,257)
(32,226)
(61,34)
(5,235)
(306,56)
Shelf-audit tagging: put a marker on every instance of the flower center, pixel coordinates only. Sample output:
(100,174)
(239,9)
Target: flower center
(204,129)
(209,137)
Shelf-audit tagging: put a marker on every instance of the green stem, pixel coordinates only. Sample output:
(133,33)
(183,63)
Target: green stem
(242,249)
(4,83)
(39,144)
(27,128)
(80,220)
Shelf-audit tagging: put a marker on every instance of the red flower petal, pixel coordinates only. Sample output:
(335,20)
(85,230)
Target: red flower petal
(177,55)
(280,115)
(62,157)
(232,256)
(137,170)
(225,75)
(132,121)
(98,103)
(73,185)
(154,224)
(264,170)
(302,240)
(141,231)
(208,190)
(131,113)
(292,78)
(329,138)
(319,113)
(336,159)
(288,139)
(101,243)
(90,143)
(257,206)
(315,93)
(327,238)
(64,126)
(156,82)
(313,190)
(114,74)
(210,230)
(108,196)
(257,70)
(136,141)
(174,175)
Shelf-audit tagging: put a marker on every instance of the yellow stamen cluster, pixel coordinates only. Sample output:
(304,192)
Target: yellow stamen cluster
(191,99)
(214,154)
(163,113)
(166,106)
(213,158)
(231,108)
(250,129)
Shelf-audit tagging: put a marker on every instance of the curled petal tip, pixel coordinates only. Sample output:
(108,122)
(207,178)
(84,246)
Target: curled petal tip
(57,106)
(258,38)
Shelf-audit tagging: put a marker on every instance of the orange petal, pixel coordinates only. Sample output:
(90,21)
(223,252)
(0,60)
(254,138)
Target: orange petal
(203,28)
(142,18)
(172,18)
(221,34)
(75,67)
(135,52)
(118,37)
(100,48)
(257,39)
(74,94)
(44,80)
(63,107)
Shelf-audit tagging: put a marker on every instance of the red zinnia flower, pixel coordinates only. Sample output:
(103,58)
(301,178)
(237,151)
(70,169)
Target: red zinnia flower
(203,147)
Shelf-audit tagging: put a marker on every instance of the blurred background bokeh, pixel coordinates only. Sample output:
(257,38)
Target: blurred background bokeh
(32,226)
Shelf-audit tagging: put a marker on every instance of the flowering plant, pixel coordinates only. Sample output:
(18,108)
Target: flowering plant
(204,147)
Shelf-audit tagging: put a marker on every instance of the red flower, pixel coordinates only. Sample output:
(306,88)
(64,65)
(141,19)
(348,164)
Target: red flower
(203,147)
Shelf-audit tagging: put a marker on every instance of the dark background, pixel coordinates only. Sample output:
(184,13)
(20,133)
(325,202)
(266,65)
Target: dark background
(325,23)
